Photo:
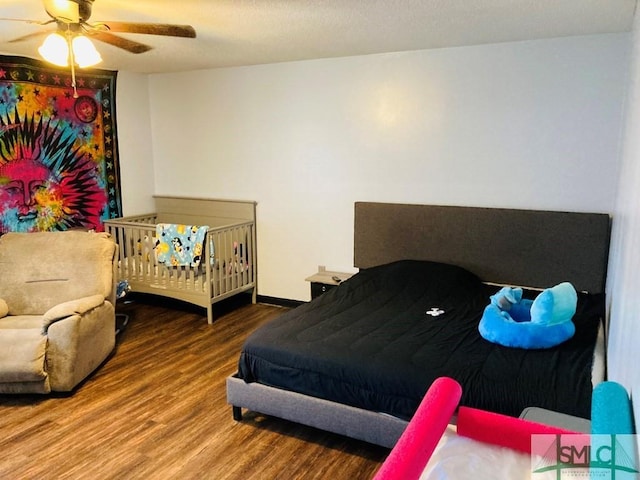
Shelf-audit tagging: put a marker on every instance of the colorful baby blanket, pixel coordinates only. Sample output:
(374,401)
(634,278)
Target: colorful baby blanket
(180,244)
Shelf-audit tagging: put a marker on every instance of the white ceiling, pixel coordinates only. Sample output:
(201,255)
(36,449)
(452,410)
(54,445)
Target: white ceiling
(249,32)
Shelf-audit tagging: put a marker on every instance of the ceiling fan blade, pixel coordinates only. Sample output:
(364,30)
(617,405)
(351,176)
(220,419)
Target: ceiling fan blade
(33,22)
(30,36)
(165,29)
(116,41)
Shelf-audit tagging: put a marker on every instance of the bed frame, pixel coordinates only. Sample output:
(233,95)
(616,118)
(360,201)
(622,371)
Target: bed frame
(230,244)
(527,248)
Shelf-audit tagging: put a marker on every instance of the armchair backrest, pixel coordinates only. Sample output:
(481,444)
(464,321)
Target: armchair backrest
(42,269)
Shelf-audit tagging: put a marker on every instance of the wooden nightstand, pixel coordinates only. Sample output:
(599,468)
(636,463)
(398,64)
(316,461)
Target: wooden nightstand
(325,280)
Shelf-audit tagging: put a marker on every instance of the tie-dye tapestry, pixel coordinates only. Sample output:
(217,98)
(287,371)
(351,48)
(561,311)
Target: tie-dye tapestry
(58,148)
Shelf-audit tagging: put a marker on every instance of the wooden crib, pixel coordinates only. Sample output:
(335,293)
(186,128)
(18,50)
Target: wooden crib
(227,267)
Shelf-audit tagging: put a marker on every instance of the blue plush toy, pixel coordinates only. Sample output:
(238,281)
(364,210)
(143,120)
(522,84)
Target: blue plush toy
(545,322)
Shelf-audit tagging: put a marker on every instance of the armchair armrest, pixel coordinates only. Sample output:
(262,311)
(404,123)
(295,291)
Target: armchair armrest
(72,307)
(4,308)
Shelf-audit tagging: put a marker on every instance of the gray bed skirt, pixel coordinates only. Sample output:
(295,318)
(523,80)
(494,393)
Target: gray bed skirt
(377,428)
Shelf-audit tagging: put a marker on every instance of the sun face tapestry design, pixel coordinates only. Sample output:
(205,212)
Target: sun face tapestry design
(58,152)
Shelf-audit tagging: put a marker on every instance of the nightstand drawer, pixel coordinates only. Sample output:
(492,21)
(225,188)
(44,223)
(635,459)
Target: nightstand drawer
(318,289)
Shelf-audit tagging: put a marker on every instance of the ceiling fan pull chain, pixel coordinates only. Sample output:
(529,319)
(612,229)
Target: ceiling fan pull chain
(73,74)
(72,62)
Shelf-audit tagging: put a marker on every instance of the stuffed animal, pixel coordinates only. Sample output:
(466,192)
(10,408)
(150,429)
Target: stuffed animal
(544,322)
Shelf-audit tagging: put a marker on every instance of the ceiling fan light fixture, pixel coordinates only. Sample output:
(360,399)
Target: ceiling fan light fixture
(85,52)
(55,49)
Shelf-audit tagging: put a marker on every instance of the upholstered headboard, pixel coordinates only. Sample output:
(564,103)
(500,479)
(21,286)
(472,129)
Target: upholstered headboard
(531,248)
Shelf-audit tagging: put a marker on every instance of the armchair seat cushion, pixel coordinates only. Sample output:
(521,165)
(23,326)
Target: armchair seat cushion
(22,355)
(21,322)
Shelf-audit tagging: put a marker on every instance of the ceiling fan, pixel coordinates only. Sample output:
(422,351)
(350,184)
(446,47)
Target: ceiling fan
(73,16)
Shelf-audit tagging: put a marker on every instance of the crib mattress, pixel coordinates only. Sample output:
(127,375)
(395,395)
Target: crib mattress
(381,338)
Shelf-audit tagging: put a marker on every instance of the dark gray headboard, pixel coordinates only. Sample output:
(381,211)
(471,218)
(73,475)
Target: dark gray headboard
(531,248)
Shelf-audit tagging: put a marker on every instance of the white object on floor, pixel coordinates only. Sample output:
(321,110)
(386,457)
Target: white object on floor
(461,458)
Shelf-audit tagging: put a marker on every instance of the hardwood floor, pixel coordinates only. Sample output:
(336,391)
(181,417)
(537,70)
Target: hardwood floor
(157,410)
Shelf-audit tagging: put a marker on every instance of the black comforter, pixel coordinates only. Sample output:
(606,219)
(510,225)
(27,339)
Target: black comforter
(380,339)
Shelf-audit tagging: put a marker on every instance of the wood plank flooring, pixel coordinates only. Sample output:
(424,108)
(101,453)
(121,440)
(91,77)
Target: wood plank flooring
(157,410)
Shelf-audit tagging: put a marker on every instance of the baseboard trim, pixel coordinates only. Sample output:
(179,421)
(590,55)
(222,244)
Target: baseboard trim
(280,302)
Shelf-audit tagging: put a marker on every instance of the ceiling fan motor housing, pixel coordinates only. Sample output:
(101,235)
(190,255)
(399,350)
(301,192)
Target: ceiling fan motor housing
(69,11)
(85,8)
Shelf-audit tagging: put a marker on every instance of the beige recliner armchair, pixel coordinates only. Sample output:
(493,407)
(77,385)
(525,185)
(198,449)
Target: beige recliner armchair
(57,317)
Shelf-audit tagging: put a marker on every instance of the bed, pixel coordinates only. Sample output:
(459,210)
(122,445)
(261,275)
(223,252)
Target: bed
(225,267)
(358,359)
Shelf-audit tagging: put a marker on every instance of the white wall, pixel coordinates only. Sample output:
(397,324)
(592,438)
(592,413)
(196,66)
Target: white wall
(134,143)
(525,125)
(624,274)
